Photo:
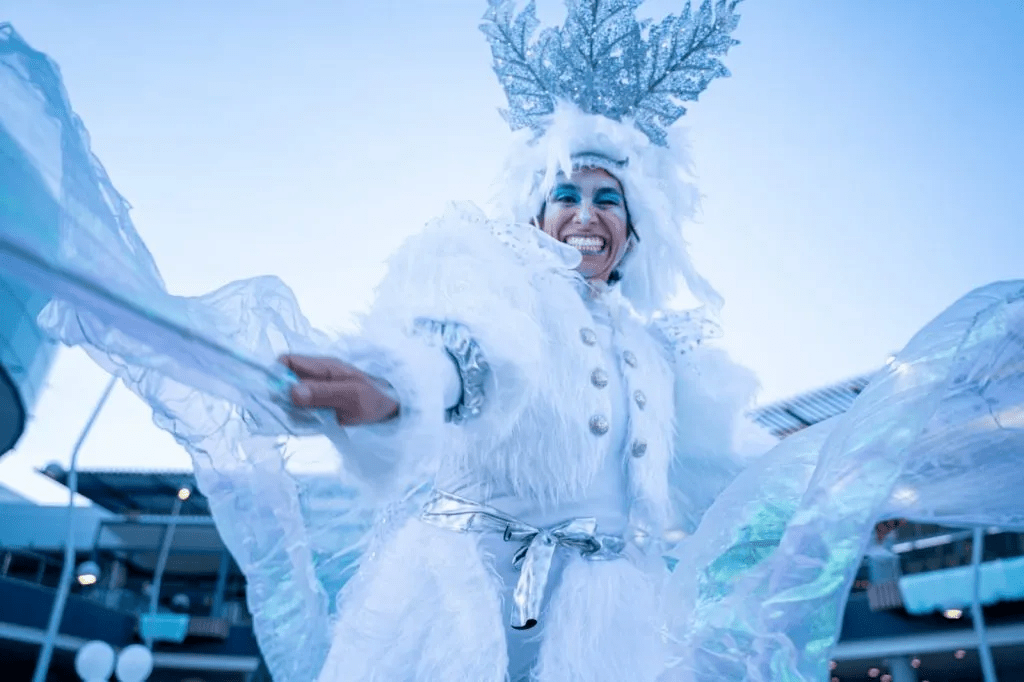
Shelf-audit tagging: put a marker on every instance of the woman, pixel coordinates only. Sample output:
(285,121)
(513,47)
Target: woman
(548,502)
(523,429)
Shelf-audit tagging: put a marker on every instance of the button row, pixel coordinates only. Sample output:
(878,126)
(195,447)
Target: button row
(599,378)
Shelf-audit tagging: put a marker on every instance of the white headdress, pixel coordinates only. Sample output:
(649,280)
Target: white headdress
(602,91)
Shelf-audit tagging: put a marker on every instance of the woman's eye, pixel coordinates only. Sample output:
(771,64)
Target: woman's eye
(608,200)
(566,198)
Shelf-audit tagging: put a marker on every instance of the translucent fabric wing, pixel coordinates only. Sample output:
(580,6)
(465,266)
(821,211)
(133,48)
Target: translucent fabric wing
(206,365)
(937,437)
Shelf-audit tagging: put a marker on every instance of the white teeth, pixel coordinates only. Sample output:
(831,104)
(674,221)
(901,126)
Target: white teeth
(586,244)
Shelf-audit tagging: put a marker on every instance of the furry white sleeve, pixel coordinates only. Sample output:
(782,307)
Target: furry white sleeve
(453,271)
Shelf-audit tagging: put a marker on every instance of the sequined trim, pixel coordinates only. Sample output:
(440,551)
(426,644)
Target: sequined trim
(469,360)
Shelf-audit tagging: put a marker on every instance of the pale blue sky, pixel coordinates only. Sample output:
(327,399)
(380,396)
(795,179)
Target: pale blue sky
(861,169)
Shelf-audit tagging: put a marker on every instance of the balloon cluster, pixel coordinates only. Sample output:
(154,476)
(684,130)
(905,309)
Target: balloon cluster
(95,661)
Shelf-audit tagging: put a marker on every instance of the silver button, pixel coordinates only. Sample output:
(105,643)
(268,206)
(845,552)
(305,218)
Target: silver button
(629,358)
(598,425)
(588,336)
(599,378)
(639,447)
(640,398)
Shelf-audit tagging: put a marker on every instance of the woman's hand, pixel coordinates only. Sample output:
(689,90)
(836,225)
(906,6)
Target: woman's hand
(356,397)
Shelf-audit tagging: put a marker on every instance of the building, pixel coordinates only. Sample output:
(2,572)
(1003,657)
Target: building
(146,533)
(908,618)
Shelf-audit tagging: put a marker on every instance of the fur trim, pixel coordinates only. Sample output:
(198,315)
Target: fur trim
(603,626)
(423,608)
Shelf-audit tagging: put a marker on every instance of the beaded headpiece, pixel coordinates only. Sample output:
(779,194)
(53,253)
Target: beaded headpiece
(603,90)
(607,62)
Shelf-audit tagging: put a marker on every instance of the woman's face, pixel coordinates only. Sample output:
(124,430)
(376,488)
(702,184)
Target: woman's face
(588,211)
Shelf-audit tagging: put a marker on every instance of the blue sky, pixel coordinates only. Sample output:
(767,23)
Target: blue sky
(861,169)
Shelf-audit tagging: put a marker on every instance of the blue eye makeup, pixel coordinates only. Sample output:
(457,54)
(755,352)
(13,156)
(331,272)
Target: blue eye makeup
(608,197)
(566,193)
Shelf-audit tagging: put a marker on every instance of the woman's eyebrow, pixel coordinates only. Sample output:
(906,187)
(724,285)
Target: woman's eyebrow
(565,187)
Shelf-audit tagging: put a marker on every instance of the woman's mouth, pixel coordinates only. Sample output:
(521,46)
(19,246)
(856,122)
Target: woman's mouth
(586,244)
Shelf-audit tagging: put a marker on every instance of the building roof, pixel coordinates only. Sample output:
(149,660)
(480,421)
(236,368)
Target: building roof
(788,416)
(136,492)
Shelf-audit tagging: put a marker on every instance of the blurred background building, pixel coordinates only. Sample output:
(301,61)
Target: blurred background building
(145,532)
(908,618)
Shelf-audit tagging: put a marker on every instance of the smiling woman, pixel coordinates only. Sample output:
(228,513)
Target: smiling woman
(522,428)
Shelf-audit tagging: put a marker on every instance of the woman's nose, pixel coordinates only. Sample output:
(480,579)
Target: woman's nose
(583,215)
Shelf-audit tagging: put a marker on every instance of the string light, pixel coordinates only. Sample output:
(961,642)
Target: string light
(184,494)
(959,653)
(874,672)
(953,614)
(916,663)
(88,573)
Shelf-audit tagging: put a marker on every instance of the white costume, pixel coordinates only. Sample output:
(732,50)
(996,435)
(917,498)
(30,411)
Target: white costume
(553,434)
(579,422)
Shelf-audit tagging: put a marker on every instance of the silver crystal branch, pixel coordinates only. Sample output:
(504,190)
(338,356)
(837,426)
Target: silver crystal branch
(607,62)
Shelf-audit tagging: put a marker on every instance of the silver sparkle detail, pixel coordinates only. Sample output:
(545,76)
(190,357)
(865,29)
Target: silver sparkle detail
(684,330)
(607,62)
(599,425)
(599,378)
(640,398)
(588,336)
(630,358)
(639,447)
(474,372)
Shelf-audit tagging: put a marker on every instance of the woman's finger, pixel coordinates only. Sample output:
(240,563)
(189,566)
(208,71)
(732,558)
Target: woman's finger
(332,393)
(354,401)
(305,366)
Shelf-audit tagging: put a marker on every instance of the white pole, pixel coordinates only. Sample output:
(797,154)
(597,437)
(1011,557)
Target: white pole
(161,563)
(988,668)
(68,570)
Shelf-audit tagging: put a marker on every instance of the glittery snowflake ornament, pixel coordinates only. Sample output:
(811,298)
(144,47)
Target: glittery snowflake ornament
(607,62)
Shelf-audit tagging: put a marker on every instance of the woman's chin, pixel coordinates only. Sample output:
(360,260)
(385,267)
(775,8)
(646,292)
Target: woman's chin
(593,263)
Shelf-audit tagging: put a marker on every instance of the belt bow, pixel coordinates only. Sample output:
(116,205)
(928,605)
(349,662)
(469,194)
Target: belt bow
(533,558)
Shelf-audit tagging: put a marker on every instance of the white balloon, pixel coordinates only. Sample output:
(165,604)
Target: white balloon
(134,664)
(94,661)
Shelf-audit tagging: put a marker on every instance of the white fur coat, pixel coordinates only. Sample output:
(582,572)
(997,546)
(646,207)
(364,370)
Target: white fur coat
(424,605)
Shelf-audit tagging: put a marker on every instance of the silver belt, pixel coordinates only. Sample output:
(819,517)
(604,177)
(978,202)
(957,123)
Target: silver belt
(533,559)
